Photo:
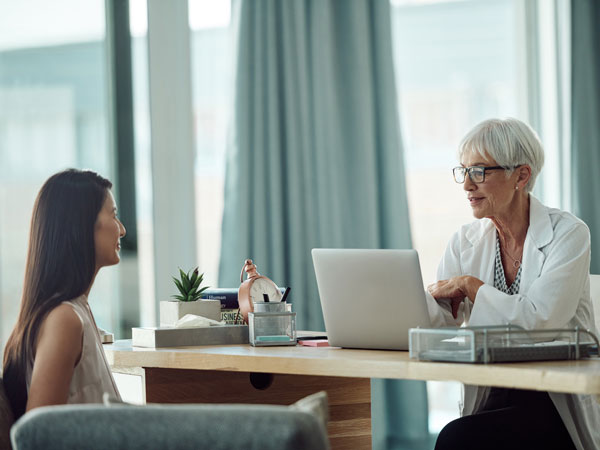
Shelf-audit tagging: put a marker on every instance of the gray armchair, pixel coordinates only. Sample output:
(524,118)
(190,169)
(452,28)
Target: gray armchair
(169,427)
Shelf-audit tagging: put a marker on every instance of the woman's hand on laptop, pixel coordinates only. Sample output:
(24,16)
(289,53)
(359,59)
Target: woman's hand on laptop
(456,289)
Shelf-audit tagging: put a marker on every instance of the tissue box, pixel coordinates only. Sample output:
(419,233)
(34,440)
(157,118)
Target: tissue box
(172,311)
(153,337)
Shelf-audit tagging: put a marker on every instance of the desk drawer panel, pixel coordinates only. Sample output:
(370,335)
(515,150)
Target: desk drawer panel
(349,398)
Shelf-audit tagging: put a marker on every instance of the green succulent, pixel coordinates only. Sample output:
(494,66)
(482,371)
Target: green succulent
(189,286)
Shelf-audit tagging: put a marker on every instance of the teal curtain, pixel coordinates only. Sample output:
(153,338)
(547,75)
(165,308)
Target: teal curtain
(585,118)
(315,161)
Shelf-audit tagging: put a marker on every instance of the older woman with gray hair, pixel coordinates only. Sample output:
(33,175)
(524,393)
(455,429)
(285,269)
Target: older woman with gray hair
(520,263)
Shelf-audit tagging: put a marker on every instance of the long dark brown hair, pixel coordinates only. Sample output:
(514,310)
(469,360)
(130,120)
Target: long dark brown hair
(61,264)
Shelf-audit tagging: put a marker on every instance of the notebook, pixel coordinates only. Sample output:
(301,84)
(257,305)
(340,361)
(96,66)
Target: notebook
(370,298)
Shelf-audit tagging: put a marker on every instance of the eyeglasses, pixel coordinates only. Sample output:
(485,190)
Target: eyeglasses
(476,173)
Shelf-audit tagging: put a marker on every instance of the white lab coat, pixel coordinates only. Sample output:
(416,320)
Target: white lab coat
(554,293)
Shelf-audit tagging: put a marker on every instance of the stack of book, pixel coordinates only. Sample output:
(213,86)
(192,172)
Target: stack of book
(230,311)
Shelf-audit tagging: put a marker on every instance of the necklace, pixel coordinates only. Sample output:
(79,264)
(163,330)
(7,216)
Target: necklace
(516,262)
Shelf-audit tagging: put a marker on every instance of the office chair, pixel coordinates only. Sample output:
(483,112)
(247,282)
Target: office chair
(595,294)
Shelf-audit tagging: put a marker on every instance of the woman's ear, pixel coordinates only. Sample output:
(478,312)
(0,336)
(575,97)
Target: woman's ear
(523,175)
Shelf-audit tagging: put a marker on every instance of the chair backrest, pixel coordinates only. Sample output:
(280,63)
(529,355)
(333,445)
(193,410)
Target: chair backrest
(201,427)
(595,294)
(6,418)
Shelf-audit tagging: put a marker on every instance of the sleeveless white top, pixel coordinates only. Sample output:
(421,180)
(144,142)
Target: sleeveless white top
(92,376)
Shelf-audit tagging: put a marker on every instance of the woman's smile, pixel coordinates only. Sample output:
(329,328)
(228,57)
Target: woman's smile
(475,201)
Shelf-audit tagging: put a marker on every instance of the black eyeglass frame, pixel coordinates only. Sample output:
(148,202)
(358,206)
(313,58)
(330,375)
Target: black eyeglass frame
(469,171)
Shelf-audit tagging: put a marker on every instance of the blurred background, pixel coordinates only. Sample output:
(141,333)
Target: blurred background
(76,90)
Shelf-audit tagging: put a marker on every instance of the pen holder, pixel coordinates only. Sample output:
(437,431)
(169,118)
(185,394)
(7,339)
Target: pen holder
(272,323)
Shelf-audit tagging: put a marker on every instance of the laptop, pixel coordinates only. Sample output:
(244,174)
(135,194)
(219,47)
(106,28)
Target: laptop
(370,298)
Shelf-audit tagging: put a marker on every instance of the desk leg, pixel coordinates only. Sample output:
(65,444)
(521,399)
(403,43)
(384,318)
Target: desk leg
(349,398)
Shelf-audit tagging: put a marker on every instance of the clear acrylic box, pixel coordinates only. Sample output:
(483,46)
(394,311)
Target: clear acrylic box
(500,344)
(272,323)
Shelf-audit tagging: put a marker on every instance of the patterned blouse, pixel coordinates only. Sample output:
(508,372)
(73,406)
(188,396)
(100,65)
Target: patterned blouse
(500,278)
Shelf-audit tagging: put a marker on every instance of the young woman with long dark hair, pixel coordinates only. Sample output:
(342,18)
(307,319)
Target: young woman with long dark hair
(54,354)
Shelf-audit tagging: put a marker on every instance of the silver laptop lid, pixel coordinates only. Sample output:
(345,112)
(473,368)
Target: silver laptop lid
(370,298)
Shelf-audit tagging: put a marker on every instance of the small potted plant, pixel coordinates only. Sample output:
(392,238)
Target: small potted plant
(188,300)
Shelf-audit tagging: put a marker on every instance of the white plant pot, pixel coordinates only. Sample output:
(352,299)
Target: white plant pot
(172,311)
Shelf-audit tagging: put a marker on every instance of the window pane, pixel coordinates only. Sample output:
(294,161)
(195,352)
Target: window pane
(52,116)
(456,65)
(138,25)
(212,74)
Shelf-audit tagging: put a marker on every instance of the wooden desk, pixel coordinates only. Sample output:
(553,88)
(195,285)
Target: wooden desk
(222,374)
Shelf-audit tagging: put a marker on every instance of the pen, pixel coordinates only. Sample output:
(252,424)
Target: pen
(266,298)
(287,291)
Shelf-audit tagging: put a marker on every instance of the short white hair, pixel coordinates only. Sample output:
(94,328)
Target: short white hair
(509,142)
